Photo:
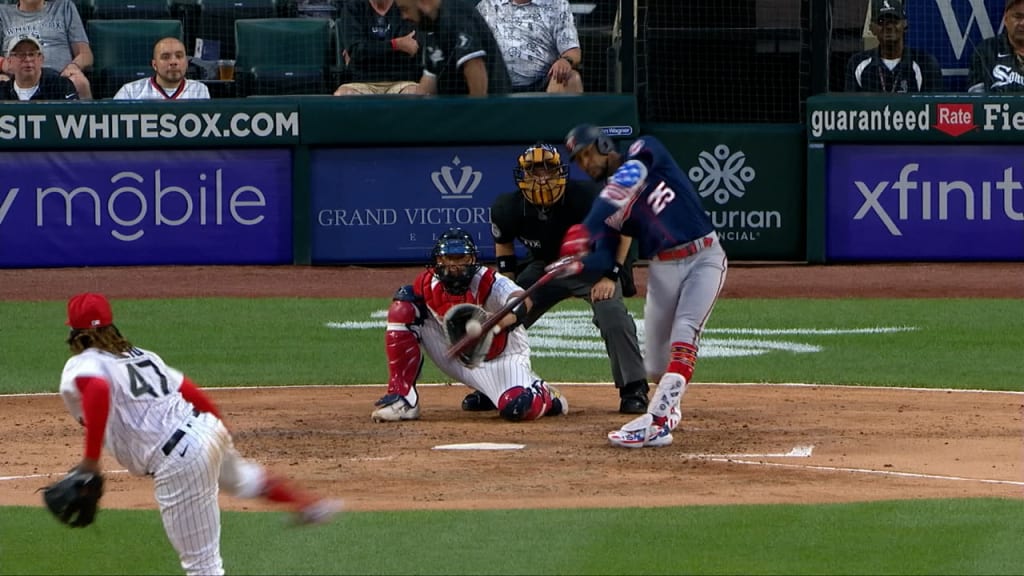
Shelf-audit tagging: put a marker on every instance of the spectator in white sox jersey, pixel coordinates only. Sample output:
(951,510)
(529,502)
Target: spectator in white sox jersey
(58,27)
(156,422)
(892,67)
(539,42)
(997,64)
(168,81)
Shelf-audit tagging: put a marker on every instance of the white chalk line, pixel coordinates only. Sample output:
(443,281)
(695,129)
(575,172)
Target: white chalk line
(864,471)
(795,452)
(51,474)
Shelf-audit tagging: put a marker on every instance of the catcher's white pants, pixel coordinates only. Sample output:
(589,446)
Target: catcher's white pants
(510,369)
(187,483)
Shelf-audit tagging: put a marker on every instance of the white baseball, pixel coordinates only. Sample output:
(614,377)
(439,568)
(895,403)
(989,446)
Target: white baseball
(474,328)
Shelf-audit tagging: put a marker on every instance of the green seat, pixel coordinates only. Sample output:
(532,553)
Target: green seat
(217,20)
(129,9)
(123,50)
(282,56)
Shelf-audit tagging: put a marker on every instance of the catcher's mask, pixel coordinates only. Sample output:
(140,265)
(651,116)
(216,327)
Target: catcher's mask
(541,175)
(455,260)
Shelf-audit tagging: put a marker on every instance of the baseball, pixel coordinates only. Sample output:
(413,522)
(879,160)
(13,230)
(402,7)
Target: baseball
(474,328)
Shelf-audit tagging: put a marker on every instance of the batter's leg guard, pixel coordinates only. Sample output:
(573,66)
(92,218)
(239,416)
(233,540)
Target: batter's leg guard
(405,363)
(521,403)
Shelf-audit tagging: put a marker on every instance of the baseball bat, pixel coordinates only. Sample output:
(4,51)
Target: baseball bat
(467,341)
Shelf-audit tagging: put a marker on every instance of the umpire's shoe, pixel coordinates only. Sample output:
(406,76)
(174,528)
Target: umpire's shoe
(477,401)
(633,397)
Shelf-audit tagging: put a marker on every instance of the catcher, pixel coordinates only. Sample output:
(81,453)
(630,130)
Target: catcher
(435,312)
(157,423)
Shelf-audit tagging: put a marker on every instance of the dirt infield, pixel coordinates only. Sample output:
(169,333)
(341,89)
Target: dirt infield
(736,444)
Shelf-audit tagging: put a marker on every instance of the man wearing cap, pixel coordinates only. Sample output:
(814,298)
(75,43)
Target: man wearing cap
(998,62)
(31,81)
(892,67)
(157,423)
(168,81)
(649,198)
(58,27)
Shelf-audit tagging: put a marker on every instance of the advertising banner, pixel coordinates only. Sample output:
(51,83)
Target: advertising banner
(391,204)
(750,178)
(148,207)
(925,203)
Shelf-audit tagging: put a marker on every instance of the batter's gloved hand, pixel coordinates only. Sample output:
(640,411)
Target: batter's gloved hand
(576,241)
(74,500)
(455,322)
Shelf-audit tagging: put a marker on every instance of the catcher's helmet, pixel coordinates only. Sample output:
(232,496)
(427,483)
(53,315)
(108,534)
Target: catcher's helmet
(582,136)
(455,242)
(541,175)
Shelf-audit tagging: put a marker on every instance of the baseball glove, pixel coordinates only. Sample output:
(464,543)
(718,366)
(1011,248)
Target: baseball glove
(455,327)
(74,499)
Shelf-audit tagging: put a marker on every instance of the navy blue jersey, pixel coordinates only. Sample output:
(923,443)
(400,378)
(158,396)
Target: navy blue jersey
(649,198)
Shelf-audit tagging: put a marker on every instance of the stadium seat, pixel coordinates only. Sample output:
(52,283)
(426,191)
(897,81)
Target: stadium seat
(282,56)
(123,50)
(217,20)
(128,9)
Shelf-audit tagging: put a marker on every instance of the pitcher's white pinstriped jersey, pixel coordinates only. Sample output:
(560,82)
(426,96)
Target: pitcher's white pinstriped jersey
(144,409)
(148,89)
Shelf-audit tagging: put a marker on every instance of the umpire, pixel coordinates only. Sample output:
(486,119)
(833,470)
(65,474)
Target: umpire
(538,215)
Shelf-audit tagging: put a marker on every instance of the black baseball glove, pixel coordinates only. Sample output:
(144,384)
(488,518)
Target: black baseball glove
(455,327)
(74,499)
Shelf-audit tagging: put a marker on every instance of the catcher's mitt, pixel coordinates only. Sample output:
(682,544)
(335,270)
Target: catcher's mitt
(75,498)
(455,327)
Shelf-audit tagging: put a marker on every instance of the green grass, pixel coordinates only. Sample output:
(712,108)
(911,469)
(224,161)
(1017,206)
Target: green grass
(235,342)
(904,537)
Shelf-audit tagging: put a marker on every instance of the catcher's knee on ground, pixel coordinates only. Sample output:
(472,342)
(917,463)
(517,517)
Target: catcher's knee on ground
(521,403)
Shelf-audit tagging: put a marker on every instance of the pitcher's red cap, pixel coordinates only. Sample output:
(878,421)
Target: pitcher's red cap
(89,310)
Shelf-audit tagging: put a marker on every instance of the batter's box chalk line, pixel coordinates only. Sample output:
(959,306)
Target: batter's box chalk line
(480,446)
(795,452)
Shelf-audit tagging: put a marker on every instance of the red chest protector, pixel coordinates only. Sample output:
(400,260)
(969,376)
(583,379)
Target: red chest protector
(439,301)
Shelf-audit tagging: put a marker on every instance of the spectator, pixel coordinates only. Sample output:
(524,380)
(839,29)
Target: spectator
(539,42)
(460,55)
(58,27)
(31,81)
(380,49)
(539,215)
(892,66)
(168,81)
(998,62)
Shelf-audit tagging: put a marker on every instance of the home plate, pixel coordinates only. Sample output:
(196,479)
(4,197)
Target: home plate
(480,446)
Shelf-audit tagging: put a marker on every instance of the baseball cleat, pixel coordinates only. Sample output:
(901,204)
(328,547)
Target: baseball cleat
(559,403)
(319,512)
(644,432)
(395,408)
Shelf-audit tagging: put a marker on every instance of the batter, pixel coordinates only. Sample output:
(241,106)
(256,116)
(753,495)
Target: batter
(157,423)
(648,197)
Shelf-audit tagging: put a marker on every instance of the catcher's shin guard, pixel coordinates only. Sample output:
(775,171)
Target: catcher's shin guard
(402,346)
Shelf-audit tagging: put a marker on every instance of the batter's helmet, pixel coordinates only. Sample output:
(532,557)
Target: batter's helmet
(455,242)
(584,135)
(541,175)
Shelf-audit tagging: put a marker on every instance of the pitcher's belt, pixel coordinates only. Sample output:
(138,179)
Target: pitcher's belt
(688,249)
(177,436)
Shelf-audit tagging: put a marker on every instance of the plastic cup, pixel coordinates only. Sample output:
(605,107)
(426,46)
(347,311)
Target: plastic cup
(226,69)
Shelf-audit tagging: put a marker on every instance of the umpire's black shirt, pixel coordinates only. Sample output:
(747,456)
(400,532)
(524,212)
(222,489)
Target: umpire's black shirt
(541,229)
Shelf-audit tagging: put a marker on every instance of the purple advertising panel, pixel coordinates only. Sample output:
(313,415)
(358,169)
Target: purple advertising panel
(389,205)
(111,208)
(925,203)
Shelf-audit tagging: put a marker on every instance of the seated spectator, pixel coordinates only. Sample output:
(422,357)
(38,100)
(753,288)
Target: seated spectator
(58,27)
(380,49)
(998,62)
(460,55)
(168,81)
(892,66)
(539,42)
(30,80)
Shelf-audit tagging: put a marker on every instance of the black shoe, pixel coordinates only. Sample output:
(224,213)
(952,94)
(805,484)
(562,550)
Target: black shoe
(478,402)
(633,397)
(633,405)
